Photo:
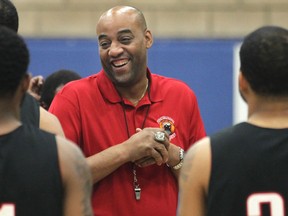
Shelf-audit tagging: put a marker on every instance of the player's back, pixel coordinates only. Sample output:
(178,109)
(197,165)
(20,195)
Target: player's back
(249,172)
(30,179)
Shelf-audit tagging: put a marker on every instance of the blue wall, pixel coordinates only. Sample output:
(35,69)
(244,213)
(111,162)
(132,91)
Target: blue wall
(205,65)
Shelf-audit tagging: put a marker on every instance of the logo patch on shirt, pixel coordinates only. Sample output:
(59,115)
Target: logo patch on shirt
(168,125)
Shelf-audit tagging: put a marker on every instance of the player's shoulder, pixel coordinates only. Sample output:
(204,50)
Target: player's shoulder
(201,146)
(232,132)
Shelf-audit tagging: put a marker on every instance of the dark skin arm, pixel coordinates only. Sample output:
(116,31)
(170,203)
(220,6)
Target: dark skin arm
(194,180)
(140,145)
(76,178)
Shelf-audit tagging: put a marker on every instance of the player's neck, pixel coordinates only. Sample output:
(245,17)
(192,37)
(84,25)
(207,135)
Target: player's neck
(271,115)
(9,117)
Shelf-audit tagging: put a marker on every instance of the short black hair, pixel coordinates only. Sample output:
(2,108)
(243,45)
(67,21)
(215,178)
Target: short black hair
(53,81)
(14,61)
(264,60)
(9,15)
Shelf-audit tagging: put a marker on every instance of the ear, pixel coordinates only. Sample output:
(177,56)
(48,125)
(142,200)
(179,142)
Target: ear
(24,83)
(149,38)
(243,84)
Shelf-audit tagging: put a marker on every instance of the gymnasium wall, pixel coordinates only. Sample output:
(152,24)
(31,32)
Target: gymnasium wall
(207,66)
(166,18)
(196,41)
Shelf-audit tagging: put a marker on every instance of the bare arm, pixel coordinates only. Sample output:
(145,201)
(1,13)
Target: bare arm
(76,179)
(140,145)
(50,122)
(194,179)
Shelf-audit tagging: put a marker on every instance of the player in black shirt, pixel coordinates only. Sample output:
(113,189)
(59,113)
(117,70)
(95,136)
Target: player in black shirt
(40,173)
(242,170)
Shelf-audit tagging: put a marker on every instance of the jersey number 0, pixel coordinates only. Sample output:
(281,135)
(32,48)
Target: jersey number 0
(7,209)
(274,200)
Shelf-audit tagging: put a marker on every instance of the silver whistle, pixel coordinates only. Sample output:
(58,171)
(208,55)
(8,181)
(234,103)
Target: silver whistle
(137,193)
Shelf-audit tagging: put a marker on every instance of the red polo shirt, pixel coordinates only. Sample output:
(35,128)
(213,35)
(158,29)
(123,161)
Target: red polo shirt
(92,115)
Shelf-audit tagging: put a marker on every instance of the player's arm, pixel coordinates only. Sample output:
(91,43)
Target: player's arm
(50,122)
(194,179)
(76,178)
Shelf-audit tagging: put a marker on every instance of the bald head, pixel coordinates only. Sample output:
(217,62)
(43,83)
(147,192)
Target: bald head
(123,41)
(124,11)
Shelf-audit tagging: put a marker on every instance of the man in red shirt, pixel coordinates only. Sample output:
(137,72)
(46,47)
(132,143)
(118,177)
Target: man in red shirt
(132,125)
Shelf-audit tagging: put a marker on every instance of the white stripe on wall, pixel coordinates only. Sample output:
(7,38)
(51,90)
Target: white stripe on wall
(240,110)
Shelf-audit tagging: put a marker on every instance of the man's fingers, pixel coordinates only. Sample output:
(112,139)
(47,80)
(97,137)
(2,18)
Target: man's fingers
(162,154)
(143,162)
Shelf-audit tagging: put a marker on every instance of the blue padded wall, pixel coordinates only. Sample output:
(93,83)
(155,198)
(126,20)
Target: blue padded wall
(205,65)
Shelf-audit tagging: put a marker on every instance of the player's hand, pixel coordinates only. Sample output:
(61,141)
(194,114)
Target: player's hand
(35,86)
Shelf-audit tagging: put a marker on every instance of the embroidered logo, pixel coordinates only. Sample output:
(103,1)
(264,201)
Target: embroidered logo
(168,125)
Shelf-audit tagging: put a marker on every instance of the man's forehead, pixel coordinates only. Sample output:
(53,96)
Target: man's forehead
(116,24)
(118,19)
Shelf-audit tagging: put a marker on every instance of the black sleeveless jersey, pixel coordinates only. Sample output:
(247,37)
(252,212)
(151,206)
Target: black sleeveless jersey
(30,178)
(249,173)
(29,112)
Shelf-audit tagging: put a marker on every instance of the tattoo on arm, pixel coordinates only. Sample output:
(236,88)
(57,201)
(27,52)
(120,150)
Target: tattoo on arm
(84,175)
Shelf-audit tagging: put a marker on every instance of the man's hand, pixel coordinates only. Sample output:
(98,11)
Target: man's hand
(146,150)
(35,86)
